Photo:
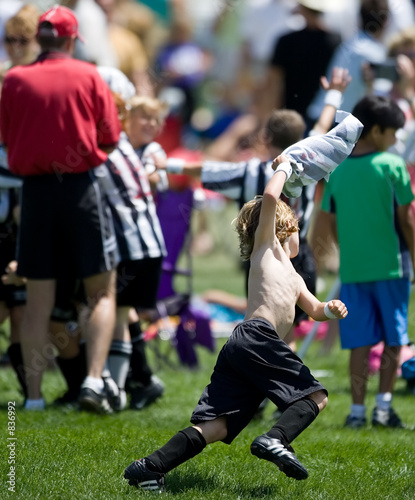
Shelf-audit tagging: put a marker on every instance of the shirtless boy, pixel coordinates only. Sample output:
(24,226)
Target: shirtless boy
(255,362)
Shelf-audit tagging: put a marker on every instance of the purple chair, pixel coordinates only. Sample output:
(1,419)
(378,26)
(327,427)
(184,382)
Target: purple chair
(174,209)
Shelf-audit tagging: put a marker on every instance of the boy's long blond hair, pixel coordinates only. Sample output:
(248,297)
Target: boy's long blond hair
(25,21)
(149,104)
(247,222)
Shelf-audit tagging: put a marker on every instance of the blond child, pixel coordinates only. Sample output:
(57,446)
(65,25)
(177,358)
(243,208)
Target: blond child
(255,362)
(146,120)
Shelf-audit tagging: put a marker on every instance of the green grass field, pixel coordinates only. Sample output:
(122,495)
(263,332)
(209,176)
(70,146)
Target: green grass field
(75,455)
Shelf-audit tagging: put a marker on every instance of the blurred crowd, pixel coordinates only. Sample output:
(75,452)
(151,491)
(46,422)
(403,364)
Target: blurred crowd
(215,62)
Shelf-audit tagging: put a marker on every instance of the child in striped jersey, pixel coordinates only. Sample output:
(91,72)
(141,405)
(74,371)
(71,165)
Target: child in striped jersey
(142,249)
(146,120)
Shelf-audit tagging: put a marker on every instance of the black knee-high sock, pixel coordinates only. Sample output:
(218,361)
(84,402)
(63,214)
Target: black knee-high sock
(294,420)
(74,370)
(140,371)
(16,359)
(184,445)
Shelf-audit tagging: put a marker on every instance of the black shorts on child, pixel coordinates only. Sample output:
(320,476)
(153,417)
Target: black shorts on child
(137,282)
(253,364)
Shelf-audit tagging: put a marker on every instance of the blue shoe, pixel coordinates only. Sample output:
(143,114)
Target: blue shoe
(274,451)
(355,422)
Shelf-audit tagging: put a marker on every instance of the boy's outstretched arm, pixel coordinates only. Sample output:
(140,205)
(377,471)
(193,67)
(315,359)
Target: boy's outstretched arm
(334,88)
(265,232)
(178,166)
(320,311)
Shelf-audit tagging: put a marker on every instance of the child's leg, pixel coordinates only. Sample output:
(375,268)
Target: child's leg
(359,373)
(383,414)
(388,368)
(275,447)
(186,444)
(148,473)
(297,417)
(141,372)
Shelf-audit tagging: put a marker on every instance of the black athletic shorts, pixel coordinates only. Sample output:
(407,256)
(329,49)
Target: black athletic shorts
(253,364)
(67,290)
(138,282)
(65,215)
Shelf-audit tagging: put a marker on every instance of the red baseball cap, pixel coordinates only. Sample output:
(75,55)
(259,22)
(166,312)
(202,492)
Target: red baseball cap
(59,22)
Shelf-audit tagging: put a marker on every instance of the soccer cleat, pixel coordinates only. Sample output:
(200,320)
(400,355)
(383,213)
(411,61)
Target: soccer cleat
(386,418)
(138,475)
(68,400)
(119,403)
(117,397)
(274,451)
(355,422)
(142,396)
(90,400)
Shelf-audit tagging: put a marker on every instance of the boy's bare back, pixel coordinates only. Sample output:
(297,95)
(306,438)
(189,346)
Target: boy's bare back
(273,287)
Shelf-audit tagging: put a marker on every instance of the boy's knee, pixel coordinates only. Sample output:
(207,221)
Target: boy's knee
(320,398)
(213,430)
(323,403)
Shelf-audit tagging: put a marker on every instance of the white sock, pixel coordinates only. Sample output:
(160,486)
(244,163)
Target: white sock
(358,411)
(384,400)
(34,404)
(96,384)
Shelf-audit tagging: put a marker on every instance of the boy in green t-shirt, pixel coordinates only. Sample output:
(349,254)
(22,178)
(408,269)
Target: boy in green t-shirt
(369,195)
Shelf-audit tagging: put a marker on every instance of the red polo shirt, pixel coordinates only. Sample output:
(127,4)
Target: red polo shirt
(54,116)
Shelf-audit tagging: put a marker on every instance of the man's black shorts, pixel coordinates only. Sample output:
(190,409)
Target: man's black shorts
(65,215)
(253,364)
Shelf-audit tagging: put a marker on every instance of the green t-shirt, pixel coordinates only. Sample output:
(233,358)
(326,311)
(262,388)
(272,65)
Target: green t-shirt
(364,192)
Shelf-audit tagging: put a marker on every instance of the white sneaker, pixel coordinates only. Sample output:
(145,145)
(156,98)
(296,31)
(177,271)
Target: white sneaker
(386,418)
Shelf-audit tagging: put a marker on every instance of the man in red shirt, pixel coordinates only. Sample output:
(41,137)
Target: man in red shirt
(58,121)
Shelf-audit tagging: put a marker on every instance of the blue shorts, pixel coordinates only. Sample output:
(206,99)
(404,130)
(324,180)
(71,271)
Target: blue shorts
(378,311)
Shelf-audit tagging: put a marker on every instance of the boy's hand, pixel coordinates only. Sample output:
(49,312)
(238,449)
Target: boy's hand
(335,309)
(406,74)
(11,278)
(159,163)
(280,159)
(340,79)
(282,164)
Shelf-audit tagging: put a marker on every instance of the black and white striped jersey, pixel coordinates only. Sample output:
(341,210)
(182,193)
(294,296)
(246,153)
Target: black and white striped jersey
(126,185)
(146,153)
